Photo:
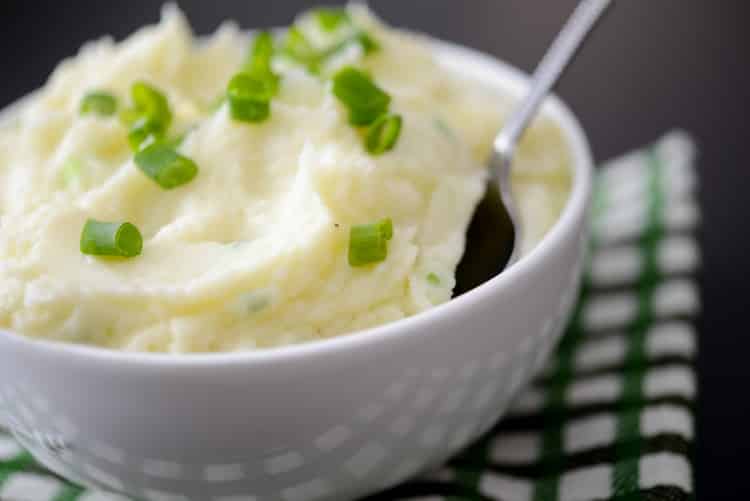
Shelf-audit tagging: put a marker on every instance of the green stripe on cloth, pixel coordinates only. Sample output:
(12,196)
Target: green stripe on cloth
(469,478)
(5,473)
(22,461)
(547,487)
(69,493)
(626,476)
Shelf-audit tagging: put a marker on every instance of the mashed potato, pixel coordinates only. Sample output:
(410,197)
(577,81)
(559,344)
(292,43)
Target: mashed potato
(253,252)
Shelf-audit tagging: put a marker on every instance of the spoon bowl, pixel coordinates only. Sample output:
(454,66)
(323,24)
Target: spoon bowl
(562,51)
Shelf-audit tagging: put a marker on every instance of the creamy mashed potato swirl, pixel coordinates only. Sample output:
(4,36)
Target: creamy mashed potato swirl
(253,252)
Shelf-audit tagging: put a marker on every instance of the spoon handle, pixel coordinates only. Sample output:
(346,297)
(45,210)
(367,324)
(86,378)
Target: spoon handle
(560,53)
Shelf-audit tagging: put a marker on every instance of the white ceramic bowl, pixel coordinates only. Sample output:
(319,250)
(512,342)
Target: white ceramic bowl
(334,419)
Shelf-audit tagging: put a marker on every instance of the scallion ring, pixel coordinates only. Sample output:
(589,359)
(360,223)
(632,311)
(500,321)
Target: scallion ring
(383,134)
(331,18)
(150,102)
(100,238)
(98,103)
(258,64)
(249,98)
(144,131)
(368,243)
(356,90)
(165,166)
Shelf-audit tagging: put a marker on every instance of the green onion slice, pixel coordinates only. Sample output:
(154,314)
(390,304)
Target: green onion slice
(433,279)
(110,239)
(365,100)
(368,243)
(149,118)
(297,47)
(128,116)
(383,134)
(164,165)
(363,39)
(143,132)
(99,103)
(249,98)
(150,102)
(258,64)
(331,18)
(386,228)
(261,53)
(366,41)
(176,141)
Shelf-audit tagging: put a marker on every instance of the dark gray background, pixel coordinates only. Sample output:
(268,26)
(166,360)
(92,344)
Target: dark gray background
(654,65)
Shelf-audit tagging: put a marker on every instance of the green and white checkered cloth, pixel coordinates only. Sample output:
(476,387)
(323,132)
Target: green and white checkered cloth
(611,417)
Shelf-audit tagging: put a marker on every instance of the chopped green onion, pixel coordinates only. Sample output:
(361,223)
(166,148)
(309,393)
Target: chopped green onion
(331,18)
(365,100)
(110,239)
(386,228)
(249,98)
(128,116)
(366,41)
(433,279)
(176,141)
(150,102)
(297,47)
(143,132)
(368,242)
(99,103)
(363,39)
(149,118)
(261,53)
(258,64)
(164,165)
(383,134)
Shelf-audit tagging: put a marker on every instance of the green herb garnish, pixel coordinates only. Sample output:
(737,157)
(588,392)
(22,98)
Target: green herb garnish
(364,100)
(298,48)
(249,98)
(383,134)
(368,243)
(258,63)
(363,39)
(150,116)
(331,18)
(149,102)
(143,132)
(99,103)
(110,239)
(164,165)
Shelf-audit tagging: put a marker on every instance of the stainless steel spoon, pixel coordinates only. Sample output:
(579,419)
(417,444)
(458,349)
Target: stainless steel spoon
(498,209)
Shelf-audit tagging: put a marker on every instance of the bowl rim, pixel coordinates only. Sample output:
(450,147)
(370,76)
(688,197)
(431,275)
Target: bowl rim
(575,209)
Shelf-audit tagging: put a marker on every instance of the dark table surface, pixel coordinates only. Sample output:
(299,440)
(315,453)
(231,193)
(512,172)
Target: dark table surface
(654,65)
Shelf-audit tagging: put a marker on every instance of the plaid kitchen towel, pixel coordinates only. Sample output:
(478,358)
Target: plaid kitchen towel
(611,417)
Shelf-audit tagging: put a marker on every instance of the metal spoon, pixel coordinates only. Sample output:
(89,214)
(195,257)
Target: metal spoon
(498,209)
